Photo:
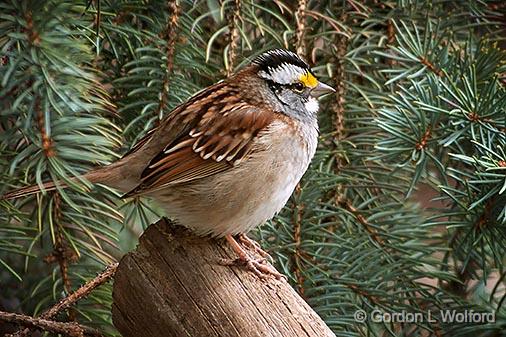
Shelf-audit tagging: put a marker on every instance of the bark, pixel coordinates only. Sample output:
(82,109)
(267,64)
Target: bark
(174,285)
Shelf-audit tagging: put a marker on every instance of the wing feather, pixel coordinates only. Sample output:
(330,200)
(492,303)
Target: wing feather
(221,135)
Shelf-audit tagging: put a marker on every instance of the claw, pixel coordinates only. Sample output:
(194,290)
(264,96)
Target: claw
(252,244)
(258,266)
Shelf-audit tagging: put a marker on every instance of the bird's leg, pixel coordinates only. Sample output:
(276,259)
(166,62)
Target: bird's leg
(257,266)
(252,244)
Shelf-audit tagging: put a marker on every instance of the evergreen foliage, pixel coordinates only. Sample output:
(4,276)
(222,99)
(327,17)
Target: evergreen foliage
(420,113)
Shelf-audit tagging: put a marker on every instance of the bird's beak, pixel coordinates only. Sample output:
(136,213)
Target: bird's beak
(321,89)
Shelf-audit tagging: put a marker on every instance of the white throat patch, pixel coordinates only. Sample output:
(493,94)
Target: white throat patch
(312,105)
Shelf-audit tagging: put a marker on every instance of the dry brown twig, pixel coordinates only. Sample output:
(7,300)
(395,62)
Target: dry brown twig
(66,302)
(72,329)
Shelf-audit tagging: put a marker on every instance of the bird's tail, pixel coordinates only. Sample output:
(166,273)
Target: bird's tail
(92,176)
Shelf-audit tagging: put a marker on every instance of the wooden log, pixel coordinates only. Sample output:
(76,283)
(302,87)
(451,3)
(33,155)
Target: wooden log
(174,285)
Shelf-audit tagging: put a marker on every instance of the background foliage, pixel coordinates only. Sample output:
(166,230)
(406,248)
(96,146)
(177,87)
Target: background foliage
(403,208)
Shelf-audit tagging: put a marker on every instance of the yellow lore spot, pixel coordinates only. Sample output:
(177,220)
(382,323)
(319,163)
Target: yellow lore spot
(308,80)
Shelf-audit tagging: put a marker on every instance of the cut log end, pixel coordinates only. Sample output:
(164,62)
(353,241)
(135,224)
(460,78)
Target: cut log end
(174,285)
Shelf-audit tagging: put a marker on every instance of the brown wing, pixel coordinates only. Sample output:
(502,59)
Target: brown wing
(221,136)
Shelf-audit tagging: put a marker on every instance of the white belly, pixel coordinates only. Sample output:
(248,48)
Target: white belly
(246,196)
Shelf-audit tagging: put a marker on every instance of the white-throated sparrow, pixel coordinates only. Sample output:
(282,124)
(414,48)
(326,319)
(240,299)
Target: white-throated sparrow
(229,158)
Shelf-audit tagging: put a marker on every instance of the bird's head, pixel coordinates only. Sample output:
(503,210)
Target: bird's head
(291,82)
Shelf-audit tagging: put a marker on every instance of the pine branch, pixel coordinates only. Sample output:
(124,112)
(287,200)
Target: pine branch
(61,252)
(300,19)
(421,104)
(170,35)
(47,143)
(297,238)
(361,220)
(234,17)
(339,103)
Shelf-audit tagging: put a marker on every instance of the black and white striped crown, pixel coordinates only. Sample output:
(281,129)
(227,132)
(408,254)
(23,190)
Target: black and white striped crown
(276,58)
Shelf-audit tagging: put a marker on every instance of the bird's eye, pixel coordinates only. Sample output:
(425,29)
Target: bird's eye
(298,87)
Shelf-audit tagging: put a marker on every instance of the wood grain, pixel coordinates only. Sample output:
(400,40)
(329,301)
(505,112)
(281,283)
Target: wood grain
(174,285)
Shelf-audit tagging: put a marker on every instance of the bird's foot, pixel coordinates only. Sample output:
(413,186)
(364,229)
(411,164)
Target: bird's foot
(255,246)
(258,266)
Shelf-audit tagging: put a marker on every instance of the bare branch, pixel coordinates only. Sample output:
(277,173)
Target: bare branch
(83,291)
(72,329)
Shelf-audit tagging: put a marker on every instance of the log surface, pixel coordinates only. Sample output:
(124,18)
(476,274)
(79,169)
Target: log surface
(173,285)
